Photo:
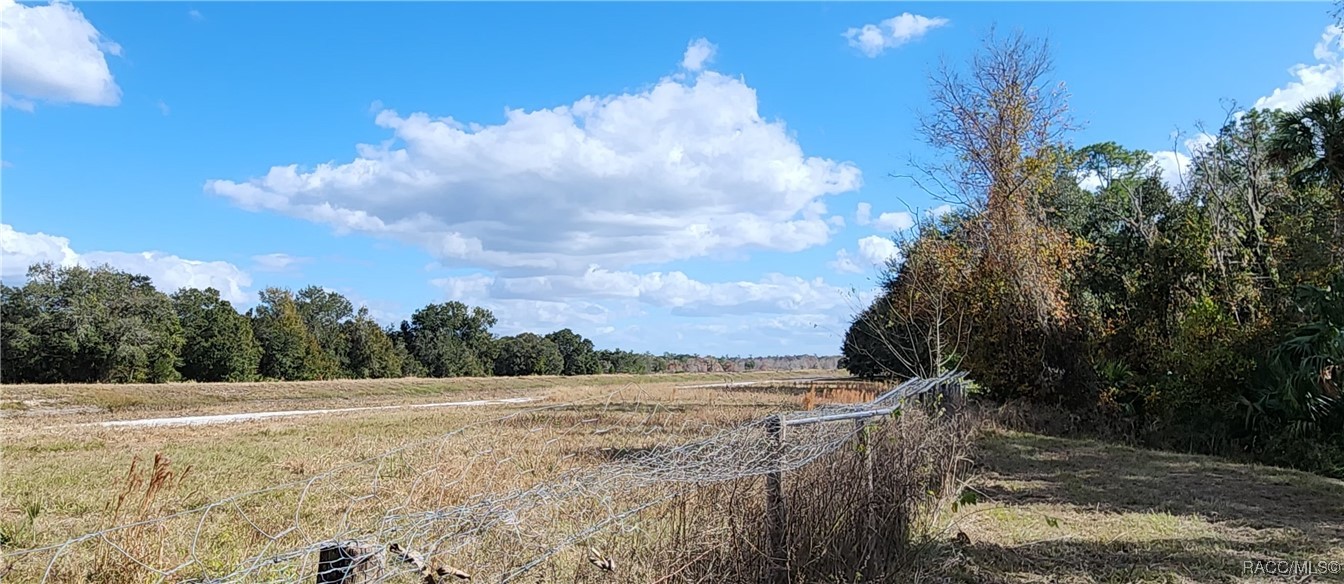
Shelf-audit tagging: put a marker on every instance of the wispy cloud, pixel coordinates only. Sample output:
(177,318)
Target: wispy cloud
(277,262)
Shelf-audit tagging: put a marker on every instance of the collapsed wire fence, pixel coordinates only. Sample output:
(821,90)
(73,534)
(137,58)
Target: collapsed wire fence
(616,487)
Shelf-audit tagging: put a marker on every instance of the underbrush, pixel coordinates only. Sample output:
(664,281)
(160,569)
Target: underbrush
(1207,433)
(866,513)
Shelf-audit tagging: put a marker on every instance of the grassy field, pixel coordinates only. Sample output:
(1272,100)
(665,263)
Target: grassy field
(1048,510)
(64,477)
(1063,511)
(101,401)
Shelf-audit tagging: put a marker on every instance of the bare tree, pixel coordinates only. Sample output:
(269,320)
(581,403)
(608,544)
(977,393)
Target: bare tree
(1235,180)
(1001,126)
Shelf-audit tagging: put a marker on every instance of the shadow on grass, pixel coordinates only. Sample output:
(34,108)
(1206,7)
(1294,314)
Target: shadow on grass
(1204,560)
(1119,479)
(1240,513)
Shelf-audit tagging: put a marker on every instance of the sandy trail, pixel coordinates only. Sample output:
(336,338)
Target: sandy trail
(746,383)
(229,418)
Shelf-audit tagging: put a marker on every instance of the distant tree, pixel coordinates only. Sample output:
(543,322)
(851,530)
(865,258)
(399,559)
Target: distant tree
(451,339)
(77,324)
(24,330)
(399,336)
(618,361)
(371,352)
(324,312)
(220,345)
(528,354)
(289,350)
(577,352)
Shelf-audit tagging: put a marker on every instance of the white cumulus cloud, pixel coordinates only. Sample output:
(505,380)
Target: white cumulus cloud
(774,293)
(699,53)
(50,52)
(874,251)
(844,263)
(897,221)
(18,250)
(684,169)
(1312,81)
(863,214)
(614,307)
(873,39)
(877,250)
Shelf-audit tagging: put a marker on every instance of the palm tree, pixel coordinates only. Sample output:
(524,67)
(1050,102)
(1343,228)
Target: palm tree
(1310,142)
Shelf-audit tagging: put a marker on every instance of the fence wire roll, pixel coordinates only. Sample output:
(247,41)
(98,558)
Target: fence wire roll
(462,505)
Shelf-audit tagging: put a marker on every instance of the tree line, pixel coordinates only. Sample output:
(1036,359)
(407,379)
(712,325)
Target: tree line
(77,324)
(1205,315)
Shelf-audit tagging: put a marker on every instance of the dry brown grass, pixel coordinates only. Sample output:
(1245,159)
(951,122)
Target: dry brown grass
(318,485)
(105,401)
(820,396)
(140,500)
(841,528)
(1047,509)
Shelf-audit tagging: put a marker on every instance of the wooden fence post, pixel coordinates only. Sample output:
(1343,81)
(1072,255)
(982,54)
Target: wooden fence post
(866,534)
(777,524)
(349,563)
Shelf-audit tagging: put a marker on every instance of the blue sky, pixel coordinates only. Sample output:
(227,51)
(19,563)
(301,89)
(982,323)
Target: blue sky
(707,177)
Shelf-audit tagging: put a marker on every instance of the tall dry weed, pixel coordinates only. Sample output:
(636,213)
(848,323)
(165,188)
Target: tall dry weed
(142,496)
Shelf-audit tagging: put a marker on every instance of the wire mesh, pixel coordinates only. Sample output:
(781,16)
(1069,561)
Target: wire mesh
(500,511)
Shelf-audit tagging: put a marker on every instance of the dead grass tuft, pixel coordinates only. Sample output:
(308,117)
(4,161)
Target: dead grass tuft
(824,395)
(140,499)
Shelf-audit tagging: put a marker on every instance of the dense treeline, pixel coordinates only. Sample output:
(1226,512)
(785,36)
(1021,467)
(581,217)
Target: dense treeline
(99,324)
(1205,315)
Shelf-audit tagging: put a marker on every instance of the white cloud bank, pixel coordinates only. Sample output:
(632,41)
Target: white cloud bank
(1312,81)
(610,306)
(684,169)
(18,250)
(51,53)
(873,39)
(774,293)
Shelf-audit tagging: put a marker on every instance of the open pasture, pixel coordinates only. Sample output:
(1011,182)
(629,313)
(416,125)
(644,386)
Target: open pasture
(236,493)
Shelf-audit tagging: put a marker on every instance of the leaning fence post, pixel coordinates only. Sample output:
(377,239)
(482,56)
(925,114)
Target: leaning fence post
(349,563)
(776,520)
(866,521)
